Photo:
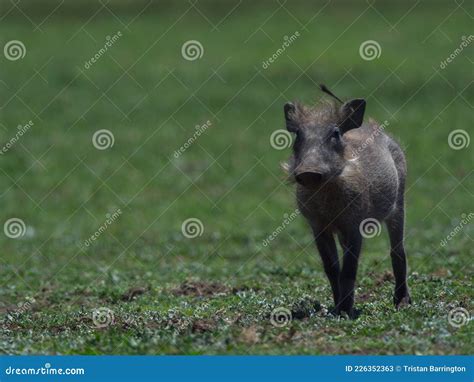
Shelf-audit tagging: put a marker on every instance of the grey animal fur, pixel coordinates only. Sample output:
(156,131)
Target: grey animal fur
(347,171)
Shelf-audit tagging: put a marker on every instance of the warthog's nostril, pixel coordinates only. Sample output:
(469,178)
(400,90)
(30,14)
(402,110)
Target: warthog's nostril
(309,179)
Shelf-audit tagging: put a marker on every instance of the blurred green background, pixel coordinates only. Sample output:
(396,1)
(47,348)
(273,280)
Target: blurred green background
(166,293)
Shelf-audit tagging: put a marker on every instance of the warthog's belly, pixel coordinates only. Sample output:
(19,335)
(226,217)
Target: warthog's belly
(330,208)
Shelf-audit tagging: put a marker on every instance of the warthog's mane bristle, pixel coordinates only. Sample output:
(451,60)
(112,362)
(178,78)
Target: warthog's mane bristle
(322,113)
(289,178)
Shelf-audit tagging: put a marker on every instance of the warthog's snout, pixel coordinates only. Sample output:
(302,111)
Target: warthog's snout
(309,179)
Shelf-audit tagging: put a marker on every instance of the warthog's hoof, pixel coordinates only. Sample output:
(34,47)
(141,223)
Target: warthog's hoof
(352,314)
(402,302)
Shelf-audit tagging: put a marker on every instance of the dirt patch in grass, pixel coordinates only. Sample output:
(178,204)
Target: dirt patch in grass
(132,293)
(250,335)
(386,276)
(365,296)
(7,309)
(203,326)
(200,289)
(287,336)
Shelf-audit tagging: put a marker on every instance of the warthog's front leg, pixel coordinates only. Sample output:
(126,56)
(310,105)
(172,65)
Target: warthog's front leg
(351,243)
(328,252)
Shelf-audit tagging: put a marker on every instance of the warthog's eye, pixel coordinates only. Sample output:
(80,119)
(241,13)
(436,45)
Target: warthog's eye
(336,134)
(335,138)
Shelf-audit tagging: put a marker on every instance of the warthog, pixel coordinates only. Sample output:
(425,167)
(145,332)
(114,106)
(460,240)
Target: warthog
(347,173)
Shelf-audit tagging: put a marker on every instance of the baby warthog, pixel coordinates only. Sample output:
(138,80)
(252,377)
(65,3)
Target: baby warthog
(347,173)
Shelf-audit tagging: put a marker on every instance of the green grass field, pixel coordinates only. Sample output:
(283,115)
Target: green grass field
(155,291)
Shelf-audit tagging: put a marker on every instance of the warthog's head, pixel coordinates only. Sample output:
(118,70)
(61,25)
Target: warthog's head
(318,150)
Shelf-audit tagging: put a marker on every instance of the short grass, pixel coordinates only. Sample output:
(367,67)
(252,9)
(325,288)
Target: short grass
(214,294)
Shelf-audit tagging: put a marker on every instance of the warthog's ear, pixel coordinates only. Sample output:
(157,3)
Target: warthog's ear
(353,114)
(290,110)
